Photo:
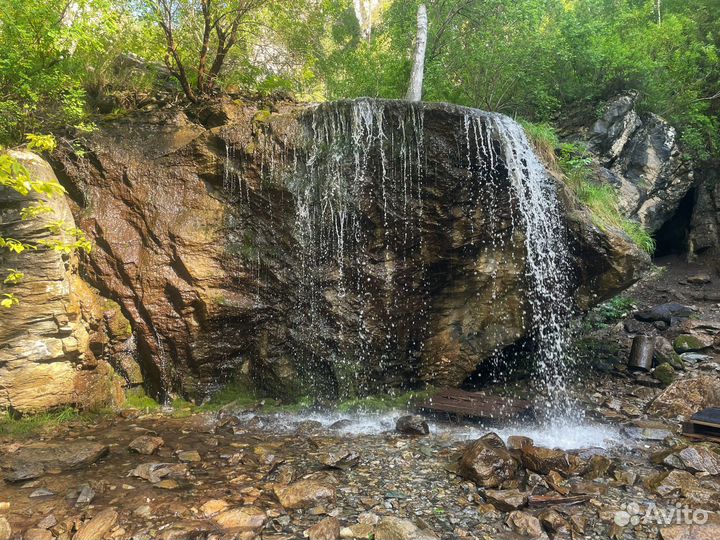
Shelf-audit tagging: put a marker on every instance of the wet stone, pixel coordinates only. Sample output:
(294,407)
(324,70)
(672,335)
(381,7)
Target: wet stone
(394,528)
(189,456)
(86,496)
(34,460)
(327,529)
(41,493)
(247,518)
(700,459)
(37,534)
(488,463)
(506,500)
(525,524)
(146,444)
(304,494)
(341,459)
(543,460)
(412,424)
(98,526)
(213,506)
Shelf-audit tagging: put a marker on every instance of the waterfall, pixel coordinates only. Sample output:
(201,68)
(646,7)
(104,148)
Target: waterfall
(358,174)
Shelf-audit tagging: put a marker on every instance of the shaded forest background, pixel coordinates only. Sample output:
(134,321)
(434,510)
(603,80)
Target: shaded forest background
(63,63)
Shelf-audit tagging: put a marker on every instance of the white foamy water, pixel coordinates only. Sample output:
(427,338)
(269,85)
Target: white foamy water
(586,435)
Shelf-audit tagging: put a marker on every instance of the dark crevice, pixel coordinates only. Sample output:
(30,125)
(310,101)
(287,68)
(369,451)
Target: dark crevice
(672,237)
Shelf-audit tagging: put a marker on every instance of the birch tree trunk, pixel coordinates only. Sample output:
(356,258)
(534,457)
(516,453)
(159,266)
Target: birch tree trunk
(414,92)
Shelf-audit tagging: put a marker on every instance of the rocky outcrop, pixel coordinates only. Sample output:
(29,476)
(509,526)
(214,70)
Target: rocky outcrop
(704,234)
(287,247)
(54,345)
(642,159)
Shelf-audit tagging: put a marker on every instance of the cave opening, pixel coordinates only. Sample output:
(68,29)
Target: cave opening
(672,237)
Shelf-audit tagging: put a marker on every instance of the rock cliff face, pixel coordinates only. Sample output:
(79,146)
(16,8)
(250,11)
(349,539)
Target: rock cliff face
(704,233)
(54,345)
(344,247)
(642,159)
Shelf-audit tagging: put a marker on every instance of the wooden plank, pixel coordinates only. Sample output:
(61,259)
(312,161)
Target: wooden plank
(452,401)
(547,500)
(704,425)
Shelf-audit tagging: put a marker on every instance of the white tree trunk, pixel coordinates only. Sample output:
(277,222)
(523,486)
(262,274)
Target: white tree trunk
(414,92)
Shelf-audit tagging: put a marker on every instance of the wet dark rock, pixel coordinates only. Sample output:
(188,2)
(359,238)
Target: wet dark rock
(650,430)
(488,463)
(506,500)
(685,397)
(633,326)
(552,521)
(340,424)
(665,312)
(189,456)
(37,459)
(543,460)
(146,444)
(327,529)
(98,526)
(204,234)
(598,466)
(412,424)
(699,279)
(517,442)
(86,496)
(304,494)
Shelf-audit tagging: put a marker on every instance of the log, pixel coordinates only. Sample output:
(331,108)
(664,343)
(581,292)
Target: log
(641,353)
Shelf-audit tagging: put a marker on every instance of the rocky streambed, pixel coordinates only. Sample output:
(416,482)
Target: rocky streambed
(257,475)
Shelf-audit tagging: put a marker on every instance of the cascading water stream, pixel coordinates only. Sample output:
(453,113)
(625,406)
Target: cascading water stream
(365,161)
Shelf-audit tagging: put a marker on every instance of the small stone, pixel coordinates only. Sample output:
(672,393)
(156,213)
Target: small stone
(691,343)
(525,524)
(708,531)
(154,472)
(168,483)
(506,500)
(41,492)
(98,526)
(87,494)
(700,459)
(38,534)
(552,520)
(412,424)
(699,279)
(304,494)
(341,459)
(213,506)
(48,522)
(517,442)
(327,529)
(598,467)
(359,530)
(189,456)
(143,511)
(146,444)
(487,462)
(664,373)
(247,518)
(674,483)
(5,530)
(394,528)
(543,460)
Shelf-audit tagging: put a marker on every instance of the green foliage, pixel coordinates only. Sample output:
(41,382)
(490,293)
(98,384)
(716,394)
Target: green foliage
(573,163)
(385,402)
(136,398)
(29,425)
(616,309)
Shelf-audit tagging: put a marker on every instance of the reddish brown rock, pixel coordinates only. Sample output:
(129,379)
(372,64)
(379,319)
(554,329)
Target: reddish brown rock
(304,493)
(327,529)
(488,463)
(685,397)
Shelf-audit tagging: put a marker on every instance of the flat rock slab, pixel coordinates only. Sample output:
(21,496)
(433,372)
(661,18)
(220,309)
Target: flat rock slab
(35,460)
(474,405)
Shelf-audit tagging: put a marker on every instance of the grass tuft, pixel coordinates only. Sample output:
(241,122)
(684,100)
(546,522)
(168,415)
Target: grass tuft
(572,163)
(28,425)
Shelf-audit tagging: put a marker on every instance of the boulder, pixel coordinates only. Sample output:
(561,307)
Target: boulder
(664,373)
(700,459)
(665,353)
(692,343)
(488,463)
(643,160)
(665,312)
(48,359)
(304,494)
(685,397)
(37,459)
(209,224)
(412,424)
(704,234)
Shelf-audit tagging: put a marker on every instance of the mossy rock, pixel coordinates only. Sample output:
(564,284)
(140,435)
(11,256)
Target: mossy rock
(665,374)
(669,357)
(688,343)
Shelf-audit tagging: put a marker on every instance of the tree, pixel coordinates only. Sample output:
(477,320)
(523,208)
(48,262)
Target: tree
(414,92)
(220,29)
